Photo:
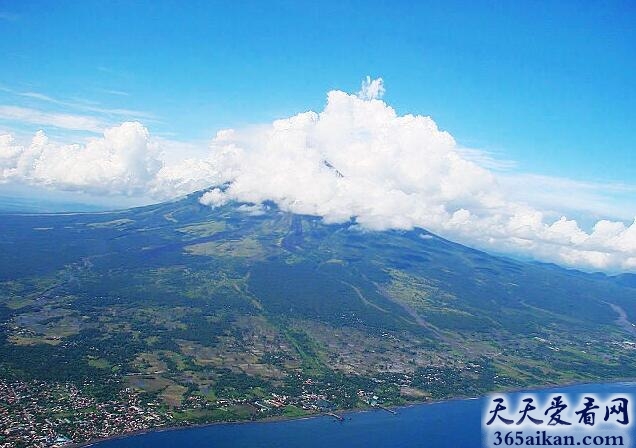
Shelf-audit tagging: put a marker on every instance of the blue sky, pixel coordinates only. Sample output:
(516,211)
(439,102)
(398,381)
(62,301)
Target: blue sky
(102,102)
(550,85)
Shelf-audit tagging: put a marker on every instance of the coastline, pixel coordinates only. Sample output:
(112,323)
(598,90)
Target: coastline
(281,418)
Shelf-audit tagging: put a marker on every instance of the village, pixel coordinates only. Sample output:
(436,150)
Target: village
(38,414)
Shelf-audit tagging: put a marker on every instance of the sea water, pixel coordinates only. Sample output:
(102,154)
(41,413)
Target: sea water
(448,424)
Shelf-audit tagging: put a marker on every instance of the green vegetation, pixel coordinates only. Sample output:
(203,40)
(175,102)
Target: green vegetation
(220,316)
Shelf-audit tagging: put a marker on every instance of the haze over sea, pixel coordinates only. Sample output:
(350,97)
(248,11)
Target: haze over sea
(448,424)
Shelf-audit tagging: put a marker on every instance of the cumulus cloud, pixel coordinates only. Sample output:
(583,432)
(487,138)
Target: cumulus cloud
(359,159)
(356,159)
(123,161)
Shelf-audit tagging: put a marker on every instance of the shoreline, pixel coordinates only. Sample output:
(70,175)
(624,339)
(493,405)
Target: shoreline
(280,418)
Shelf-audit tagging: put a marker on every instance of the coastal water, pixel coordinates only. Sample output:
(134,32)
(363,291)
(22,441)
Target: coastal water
(450,424)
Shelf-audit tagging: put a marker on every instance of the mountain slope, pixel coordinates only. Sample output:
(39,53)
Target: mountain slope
(190,304)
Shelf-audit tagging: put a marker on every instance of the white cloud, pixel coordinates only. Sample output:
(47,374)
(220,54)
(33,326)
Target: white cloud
(562,195)
(486,159)
(123,161)
(75,114)
(355,159)
(371,89)
(84,105)
(58,120)
(358,158)
(115,92)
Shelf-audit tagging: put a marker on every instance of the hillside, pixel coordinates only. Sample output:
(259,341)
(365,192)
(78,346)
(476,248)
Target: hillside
(204,313)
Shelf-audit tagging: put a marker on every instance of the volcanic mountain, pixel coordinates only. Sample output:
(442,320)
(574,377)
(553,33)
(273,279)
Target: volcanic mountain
(191,304)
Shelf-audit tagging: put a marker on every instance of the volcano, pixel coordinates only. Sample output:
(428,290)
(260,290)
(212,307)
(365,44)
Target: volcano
(202,309)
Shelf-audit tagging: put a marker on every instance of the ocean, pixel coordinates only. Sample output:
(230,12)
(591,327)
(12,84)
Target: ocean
(448,424)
